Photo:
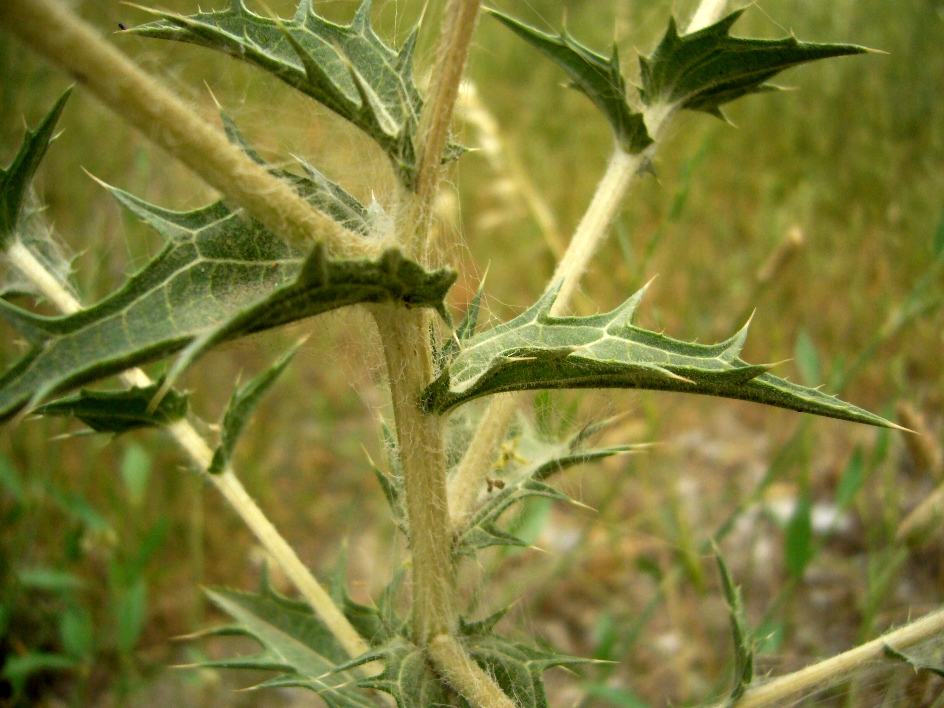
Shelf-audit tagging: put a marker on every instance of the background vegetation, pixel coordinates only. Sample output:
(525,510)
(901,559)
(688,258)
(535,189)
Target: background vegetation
(823,209)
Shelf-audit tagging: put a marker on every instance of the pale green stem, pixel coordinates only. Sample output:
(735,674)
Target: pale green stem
(405,335)
(825,673)
(459,20)
(201,454)
(469,478)
(407,350)
(55,32)
(594,226)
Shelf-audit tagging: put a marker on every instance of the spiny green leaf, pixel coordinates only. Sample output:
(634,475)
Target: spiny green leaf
(319,191)
(22,219)
(465,330)
(295,643)
(120,411)
(392,485)
(594,75)
(406,676)
(377,623)
(517,668)
(538,351)
(706,69)
(241,407)
(16,179)
(531,461)
(915,664)
(347,68)
(220,276)
(741,632)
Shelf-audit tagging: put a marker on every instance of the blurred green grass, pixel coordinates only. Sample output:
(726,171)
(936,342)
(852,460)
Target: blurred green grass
(854,159)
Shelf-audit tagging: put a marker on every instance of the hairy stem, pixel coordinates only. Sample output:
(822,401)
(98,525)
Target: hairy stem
(594,226)
(405,335)
(201,454)
(591,231)
(825,673)
(55,32)
(463,674)
(406,339)
(459,23)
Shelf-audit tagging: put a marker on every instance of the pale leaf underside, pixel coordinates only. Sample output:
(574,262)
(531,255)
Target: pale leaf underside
(538,351)
(347,68)
(296,645)
(219,276)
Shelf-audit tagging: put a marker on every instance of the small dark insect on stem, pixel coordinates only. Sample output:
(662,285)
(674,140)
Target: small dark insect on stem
(121,27)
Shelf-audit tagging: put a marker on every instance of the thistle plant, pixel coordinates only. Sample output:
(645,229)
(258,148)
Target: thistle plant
(286,243)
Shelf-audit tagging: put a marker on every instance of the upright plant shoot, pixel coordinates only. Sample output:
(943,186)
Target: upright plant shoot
(234,268)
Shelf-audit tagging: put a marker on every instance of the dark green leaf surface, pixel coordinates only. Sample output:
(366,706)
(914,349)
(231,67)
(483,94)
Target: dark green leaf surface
(241,407)
(740,631)
(538,351)
(706,69)
(120,411)
(22,219)
(517,668)
(295,643)
(220,276)
(391,481)
(347,68)
(594,75)
(377,623)
(16,179)
(532,461)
